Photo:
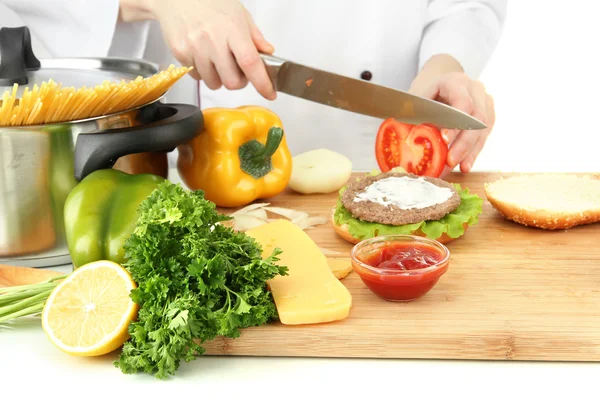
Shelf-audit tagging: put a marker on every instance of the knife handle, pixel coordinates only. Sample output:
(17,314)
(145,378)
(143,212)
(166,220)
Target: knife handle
(273,65)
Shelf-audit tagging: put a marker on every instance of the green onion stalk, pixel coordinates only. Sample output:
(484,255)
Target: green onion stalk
(26,300)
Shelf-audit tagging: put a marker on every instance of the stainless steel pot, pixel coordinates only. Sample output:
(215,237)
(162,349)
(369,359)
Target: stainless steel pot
(39,165)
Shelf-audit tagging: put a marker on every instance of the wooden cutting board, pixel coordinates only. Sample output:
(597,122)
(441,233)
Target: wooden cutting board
(20,276)
(511,293)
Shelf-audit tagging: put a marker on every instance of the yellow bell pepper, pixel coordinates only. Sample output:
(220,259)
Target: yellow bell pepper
(241,155)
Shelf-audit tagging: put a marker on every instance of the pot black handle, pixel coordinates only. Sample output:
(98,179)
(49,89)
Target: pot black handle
(100,150)
(17,56)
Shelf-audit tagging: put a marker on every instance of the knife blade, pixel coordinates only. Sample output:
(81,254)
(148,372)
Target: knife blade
(363,97)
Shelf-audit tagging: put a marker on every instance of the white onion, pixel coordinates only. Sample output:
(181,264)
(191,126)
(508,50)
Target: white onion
(319,171)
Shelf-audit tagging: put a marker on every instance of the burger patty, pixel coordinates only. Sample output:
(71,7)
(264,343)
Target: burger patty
(391,214)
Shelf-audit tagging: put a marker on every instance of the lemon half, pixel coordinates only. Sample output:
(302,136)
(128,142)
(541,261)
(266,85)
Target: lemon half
(89,312)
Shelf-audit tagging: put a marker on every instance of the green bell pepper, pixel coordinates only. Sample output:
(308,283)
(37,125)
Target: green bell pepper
(101,213)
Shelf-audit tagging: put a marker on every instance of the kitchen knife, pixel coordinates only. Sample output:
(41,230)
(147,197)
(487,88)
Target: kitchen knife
(363,97)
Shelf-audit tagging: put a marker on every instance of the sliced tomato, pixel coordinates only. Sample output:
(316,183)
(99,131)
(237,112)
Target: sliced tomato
(419,149)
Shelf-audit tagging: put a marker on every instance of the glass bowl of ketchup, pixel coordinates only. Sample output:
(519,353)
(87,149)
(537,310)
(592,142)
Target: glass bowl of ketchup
(400,267)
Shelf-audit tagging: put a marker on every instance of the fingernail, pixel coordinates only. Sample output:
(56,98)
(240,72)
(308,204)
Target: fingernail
(451,161)
(445,136)
(449,135)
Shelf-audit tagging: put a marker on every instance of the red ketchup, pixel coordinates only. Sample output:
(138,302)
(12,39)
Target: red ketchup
(402,268)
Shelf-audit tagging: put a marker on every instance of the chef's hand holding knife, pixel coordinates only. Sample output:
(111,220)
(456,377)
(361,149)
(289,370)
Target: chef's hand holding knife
(222,42)
(217,37)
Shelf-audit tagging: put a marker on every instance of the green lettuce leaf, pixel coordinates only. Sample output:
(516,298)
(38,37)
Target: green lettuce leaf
(471,206)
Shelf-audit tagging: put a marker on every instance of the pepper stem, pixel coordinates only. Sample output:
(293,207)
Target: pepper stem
(255,158)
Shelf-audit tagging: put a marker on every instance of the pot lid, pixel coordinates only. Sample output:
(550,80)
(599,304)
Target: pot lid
(18,65)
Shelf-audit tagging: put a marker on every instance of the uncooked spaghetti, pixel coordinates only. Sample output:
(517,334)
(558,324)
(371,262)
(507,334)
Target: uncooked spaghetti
(52,103)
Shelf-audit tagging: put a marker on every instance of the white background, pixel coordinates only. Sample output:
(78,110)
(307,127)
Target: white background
(544,77)
(545,80)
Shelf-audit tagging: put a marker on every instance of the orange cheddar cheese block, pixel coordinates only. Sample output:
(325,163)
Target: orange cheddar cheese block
(310,293)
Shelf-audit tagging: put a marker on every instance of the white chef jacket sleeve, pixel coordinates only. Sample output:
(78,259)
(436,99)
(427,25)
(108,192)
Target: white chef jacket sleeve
(466,30)
(65,27)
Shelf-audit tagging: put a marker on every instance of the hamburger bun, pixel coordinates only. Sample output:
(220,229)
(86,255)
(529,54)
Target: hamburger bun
(560,201)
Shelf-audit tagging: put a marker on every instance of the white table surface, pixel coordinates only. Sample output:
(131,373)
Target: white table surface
(29,362)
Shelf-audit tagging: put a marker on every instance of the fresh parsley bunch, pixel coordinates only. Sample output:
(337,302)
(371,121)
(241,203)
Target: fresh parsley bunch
(197,279)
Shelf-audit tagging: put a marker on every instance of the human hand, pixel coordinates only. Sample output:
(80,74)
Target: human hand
(456,89)
(219,39)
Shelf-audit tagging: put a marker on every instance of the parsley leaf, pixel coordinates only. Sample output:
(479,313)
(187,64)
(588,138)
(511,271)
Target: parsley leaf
(197,279)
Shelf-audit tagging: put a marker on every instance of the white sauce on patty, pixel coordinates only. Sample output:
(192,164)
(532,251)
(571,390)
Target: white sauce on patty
(404,192)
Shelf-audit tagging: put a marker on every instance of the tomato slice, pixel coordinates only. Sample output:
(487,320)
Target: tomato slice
(419,149)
